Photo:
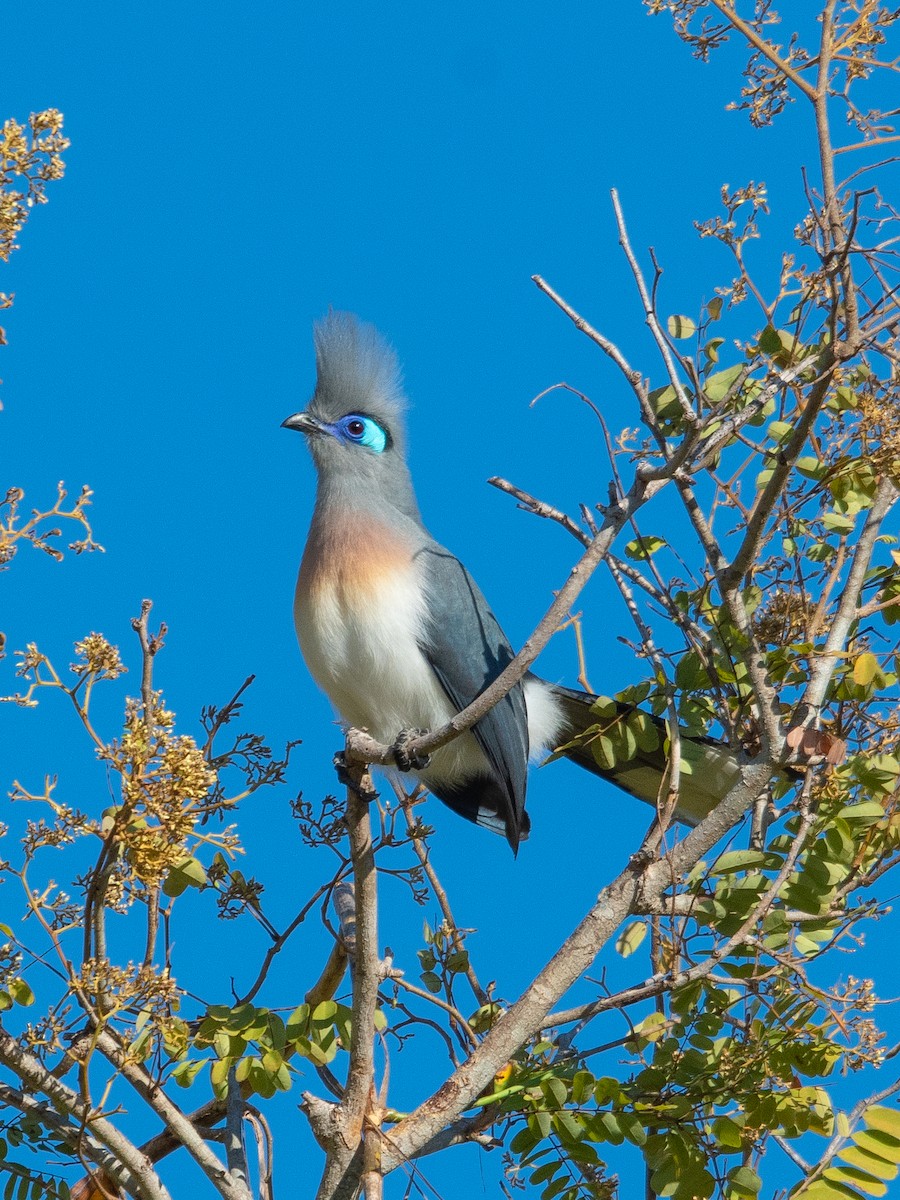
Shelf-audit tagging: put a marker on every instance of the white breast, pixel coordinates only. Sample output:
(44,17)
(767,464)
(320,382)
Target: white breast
(360,615)
(362,647)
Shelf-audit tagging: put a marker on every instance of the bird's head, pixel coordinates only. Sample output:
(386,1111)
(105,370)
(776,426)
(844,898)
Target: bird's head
(354,422)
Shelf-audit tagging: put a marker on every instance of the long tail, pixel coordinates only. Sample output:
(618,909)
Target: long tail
(713,767)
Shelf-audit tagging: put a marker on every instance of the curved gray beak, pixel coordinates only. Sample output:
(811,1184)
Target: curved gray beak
(303,423)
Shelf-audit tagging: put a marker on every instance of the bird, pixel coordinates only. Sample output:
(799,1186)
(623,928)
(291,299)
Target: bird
(394,629)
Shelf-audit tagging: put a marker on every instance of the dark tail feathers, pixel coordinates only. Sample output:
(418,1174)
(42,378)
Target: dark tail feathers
(714,768)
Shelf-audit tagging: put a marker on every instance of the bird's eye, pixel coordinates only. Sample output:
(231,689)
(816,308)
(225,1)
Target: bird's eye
(364,431)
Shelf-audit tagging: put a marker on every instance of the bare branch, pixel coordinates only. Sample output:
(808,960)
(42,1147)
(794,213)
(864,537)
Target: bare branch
(135,1171)
(826,659)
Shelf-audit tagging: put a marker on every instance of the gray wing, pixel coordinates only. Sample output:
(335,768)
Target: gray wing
(467,650)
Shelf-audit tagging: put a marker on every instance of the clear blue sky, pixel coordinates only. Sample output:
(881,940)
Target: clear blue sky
(234,171)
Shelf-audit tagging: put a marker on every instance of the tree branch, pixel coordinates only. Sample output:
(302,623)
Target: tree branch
(641,880)
(826,659)
(174,1119)
(135,1171)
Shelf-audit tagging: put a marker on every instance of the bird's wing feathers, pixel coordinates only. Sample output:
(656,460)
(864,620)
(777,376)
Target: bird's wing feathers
(467,650)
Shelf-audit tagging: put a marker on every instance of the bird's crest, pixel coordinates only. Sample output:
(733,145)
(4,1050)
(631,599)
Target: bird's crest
(357,370)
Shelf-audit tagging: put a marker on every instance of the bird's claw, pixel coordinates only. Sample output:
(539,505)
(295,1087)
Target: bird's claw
(405,760)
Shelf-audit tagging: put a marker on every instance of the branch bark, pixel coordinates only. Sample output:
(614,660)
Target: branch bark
(342,1128)
(642,881)
(128,1166)
(229,1187)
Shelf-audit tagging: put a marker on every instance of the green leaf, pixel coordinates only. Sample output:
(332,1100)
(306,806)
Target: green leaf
(555,1092)
(297,1022)
(641,548)
(545,1172)
(779,431)
(719,385)
(218,1072)
(874,1165)
(740,860)
(824,1189)
(630,938)
(681,327)
(882,1145)
(568,1125)
(837,523)
(744,1181)
(244,1016)
(667,409)
(856,1179)
(642,728)
(665,1179)
(632,1128)
(187,873)
(324,1013)
(554,1188)
(885,1120)
(865,813)
(271,1061)
(865,668)
(582,1085)
(524,1142)
(728,1133)
(714,308)
(690,672)
(539,1123)
(186,1072)
(844,398)
(811,467)
(652,1028)
(222,1044)
(21,992)
(806,946)
(606,1089)
(780,345)
(603,752)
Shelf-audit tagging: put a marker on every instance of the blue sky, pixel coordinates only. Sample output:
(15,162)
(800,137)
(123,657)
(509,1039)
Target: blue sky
(234,172)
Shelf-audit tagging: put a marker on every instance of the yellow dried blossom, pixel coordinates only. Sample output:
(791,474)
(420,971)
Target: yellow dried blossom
(99,657)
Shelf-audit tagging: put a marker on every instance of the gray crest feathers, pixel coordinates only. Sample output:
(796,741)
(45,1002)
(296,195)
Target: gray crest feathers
(357,370)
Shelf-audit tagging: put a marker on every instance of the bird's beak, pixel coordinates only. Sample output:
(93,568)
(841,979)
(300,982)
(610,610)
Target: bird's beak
(303,423)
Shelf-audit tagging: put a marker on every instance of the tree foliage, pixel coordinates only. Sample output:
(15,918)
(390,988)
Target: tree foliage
(769,416)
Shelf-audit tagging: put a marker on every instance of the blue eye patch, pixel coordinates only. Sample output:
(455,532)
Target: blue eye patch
(363,431)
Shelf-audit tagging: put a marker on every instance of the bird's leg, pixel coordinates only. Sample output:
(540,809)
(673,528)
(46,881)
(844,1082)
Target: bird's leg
(402,757)
(357,779)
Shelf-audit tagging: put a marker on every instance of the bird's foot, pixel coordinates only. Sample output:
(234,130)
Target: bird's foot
(361,786)
(402,757)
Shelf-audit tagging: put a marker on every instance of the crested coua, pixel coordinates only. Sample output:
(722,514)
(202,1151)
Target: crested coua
(395,630)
